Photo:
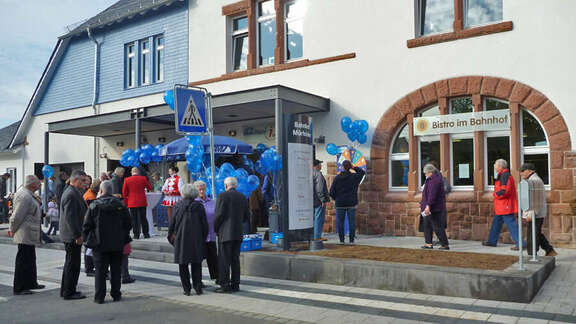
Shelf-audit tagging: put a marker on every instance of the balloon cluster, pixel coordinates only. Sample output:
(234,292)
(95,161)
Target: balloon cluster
(356,130)
(270,160)
(194,154)
(145,154)
(247,183)
(47,171)
(169,98)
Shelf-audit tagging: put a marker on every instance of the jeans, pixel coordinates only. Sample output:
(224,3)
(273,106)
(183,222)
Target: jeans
(319,216)
(496,228)
(341,213)
(53,226)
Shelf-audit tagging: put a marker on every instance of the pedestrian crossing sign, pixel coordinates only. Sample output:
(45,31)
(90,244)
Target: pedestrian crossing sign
(190,110)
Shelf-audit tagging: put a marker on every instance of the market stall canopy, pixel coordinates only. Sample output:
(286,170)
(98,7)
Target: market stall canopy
(176,150)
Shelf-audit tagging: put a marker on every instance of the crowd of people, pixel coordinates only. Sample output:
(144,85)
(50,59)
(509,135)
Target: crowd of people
(100,214)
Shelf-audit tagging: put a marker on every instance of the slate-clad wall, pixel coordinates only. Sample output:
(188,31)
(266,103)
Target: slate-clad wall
(72,84)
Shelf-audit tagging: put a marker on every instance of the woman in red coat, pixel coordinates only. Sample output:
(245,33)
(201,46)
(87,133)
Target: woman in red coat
(134,193)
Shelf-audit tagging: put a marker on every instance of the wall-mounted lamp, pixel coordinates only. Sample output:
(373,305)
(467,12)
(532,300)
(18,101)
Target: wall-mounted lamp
(162,139)
(232,132)
(103,155)
(120,144)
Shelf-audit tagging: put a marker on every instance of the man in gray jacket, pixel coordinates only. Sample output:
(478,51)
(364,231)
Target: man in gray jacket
(72,211)
(537,211)
(25,228)
(321,198)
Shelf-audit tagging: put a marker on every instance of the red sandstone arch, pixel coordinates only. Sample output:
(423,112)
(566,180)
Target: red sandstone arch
(510,90)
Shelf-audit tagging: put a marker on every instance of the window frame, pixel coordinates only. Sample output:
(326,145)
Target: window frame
(285,25)
(235,34)
(397,157)
(534,150)
(465,17)
(144,62)
(430,138)
(260,20)
(130,64)
(486,166)
(462,136)
(159,57)
(12,183)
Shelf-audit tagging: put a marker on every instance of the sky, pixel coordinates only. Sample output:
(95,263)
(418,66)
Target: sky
(30,29)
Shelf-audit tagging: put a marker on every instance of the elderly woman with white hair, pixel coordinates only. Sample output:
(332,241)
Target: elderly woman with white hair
(432,206)
(210,251)
(187,232)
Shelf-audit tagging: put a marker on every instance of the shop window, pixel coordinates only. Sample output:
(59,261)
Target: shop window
(240,43)
(435,16)
(535,148)
(266,32)
(462,153)
(293,18)
(495,104)
(482,12)
(399,159)
(461,105)
(497,147)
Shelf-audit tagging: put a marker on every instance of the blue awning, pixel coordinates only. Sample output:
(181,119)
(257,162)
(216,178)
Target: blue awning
(223,145)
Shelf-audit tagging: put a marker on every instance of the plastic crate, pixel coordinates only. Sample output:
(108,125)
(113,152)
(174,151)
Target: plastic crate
(256,244)
(246,245)
(275,236)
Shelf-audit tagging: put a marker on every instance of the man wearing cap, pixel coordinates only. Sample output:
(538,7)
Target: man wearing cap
(321,198)
(537,211)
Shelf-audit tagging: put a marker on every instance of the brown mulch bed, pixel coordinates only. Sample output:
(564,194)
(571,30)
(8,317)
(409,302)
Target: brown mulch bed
(415,256)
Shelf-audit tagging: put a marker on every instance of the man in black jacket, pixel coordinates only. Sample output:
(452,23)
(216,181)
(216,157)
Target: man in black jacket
(106,230)
(344,191)
(230,212)
(72,211)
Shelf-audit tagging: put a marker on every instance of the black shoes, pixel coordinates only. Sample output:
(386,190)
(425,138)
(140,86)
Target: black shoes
(128,280)
(235,289)
(198,290)
(427,247)
(99,301)
(75,296)
(486,243)
(38,287)
(446,248)
(23,292)
(186,292)
(117,299)
(224,290)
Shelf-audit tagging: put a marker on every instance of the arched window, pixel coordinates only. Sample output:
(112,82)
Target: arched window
(535,147)
(399,159)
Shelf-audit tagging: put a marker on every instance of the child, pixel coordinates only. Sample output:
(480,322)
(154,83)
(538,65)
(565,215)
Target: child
(53,216)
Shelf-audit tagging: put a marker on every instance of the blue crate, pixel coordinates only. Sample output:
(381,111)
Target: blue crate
(275,236)
(256,243)
(246,245)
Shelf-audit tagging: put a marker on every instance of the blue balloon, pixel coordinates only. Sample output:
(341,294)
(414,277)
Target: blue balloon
(128,152)
(196,166)
(145,157)
(155,157)
(159,147)
(261,147)
(352,136)
(357,125)
(253,182)
(227,168)
(169,98)
(362,138)
(332,149)
(47,171)
(124,162)
(345,123)
(148,148)
(277,163)
(240,174)
(363,126)
(194,140)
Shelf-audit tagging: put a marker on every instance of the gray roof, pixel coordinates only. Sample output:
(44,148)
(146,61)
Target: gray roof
(123,9)
(7,134)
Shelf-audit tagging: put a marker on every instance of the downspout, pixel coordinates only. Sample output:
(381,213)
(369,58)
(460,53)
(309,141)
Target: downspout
(95,100)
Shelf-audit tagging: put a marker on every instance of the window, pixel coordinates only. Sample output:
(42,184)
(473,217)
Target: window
(535,148)
(159,58)
(462,153)
(441,16)
(461,105)
(130,64)
(240,43)
(482,12)
(145,62)
(497,147)
(429,146)
(11,184)
(436,16)
(495,104)
(293,14)
(266,32)
(399,160)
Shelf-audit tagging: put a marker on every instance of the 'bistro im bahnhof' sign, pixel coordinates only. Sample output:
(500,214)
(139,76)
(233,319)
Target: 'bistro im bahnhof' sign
(462,123)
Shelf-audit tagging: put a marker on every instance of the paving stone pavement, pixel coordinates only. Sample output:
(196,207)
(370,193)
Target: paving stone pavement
(288,301)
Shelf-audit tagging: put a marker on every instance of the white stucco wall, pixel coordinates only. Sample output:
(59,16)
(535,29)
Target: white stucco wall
(538,52)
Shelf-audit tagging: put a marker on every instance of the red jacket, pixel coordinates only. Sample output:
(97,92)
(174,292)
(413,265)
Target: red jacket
(505,198)
(133,191)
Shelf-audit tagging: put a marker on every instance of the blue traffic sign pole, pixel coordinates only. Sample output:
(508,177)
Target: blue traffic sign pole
(193,116)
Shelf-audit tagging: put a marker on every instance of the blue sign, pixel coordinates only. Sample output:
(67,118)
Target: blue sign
(190,110)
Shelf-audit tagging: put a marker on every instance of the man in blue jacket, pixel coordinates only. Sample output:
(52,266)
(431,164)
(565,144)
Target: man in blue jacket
(344,191)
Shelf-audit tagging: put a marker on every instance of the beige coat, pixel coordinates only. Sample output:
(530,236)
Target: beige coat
(26,218)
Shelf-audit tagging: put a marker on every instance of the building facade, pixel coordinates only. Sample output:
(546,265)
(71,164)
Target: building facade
(386,62)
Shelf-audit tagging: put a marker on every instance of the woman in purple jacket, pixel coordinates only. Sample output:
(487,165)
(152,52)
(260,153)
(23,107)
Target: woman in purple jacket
(432,206)
(210,247)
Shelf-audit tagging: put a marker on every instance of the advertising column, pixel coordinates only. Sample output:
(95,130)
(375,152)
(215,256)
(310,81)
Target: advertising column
(299,155)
